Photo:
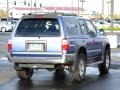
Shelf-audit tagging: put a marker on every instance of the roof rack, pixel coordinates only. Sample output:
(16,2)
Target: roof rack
(57,13)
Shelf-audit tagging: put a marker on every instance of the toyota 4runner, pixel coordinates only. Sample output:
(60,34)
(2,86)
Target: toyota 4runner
(57,41)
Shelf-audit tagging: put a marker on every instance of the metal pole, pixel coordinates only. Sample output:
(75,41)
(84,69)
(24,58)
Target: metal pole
(72,6)
(108,8)
(31,6)
(108,2)
(78,7)
(35,5)
(82,7)
(112,14)
(82,1)
(7,11)
(102,8)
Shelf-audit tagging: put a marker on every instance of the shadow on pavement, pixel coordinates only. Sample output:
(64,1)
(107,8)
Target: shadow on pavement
(60,81)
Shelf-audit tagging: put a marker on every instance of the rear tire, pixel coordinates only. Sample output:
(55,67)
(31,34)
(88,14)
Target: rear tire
(25,73)
(78,74)
(105,66)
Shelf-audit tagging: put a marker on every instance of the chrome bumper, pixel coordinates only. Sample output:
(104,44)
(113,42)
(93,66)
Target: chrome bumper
(64,59)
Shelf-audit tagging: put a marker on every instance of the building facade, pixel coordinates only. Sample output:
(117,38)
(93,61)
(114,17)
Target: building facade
(18,8)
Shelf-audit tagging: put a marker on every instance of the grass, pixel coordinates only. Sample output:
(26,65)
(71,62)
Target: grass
(111,28)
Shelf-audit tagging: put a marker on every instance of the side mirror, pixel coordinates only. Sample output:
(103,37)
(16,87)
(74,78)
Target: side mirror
(101,32)
(92,34)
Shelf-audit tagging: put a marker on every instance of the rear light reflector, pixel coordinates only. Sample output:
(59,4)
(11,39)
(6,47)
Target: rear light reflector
(65,45)
(9,46)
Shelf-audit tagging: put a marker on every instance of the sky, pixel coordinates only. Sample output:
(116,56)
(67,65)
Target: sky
(90,5)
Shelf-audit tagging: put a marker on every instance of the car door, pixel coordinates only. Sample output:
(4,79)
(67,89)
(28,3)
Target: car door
(86,38)
(96,44)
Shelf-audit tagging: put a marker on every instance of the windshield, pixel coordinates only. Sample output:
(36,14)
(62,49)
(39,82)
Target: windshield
(34,27)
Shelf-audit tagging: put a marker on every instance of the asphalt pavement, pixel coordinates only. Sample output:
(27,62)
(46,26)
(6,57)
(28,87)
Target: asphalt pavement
(44,80)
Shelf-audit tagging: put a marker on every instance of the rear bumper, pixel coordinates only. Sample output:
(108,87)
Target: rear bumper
(61,59)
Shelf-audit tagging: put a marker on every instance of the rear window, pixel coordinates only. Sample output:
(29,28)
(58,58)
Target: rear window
(34,27)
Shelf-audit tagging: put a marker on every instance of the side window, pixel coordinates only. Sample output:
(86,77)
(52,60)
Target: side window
(83,27)
(91,28)
(71,25)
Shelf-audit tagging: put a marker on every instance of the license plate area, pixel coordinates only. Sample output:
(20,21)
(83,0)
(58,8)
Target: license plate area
(39,46)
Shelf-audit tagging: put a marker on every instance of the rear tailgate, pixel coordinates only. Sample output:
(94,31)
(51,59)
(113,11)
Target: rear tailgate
(42,44)
(35,36)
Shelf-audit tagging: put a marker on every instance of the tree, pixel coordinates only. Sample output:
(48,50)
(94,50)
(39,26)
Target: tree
(98,16)
(3,14)
(117,16)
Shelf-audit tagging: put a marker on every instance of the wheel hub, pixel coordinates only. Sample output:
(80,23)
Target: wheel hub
(107,61)
(81,68)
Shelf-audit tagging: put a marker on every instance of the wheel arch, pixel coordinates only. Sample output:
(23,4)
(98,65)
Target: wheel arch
(107,46)
(75,62)
(82,50)
(105,65)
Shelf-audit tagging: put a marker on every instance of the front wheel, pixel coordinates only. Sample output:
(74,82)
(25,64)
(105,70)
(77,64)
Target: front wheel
(79,73)
(104,67)
(25,73)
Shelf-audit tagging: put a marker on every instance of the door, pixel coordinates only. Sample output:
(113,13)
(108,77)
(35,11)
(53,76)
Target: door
(96,44)
(88,39)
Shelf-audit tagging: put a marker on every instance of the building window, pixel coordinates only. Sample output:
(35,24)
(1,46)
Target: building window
(24,2)
(28,4)
(14,2)
(40,5)
(34,4)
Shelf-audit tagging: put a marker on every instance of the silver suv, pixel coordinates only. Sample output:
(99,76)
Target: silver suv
(57,41)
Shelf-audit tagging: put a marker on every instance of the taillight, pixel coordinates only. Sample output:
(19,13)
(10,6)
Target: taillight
(9,46)
(65,46)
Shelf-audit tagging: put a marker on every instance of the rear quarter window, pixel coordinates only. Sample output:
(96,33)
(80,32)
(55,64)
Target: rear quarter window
(33,27)
(71,25)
